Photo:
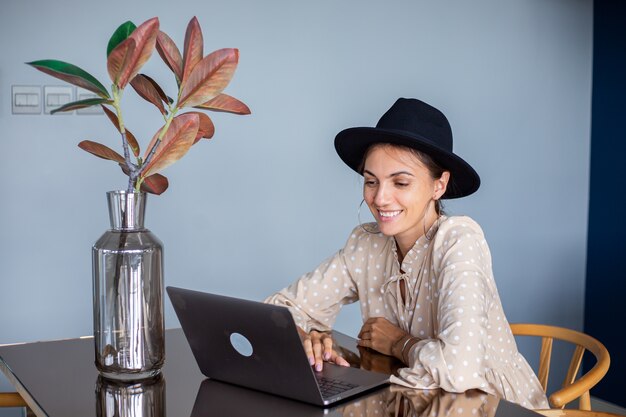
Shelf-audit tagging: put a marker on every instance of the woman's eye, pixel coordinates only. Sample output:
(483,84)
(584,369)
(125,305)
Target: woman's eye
(402,184)
(370,183)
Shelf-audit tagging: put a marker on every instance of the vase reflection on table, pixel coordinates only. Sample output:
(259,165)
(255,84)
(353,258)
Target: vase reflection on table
(120,399)
(128,293)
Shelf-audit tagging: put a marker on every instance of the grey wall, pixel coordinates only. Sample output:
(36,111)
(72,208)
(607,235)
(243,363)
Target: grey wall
(267,199)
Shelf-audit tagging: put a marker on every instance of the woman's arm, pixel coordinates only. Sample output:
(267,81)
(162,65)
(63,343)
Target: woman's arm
(315,299)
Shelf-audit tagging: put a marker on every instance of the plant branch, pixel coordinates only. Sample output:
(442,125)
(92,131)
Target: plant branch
(133,171)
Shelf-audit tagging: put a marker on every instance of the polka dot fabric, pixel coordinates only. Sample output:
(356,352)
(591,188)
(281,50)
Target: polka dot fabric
(452,305)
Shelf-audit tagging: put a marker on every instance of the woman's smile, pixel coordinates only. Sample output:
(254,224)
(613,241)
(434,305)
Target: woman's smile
(388,216)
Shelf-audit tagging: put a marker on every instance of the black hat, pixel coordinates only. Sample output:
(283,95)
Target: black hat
(415,124)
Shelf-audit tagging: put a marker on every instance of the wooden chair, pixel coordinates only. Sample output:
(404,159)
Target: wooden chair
(572,388)
(11,399)
(576,413)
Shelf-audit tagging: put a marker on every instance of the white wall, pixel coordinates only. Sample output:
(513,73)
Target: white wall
(267,199)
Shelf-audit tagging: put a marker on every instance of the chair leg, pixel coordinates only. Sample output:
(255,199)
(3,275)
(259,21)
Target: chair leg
(585,402)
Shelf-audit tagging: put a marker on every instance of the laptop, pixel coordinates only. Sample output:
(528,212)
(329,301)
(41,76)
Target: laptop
(257,346)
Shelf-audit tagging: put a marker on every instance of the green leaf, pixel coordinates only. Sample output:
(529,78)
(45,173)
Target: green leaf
(71,74)
(81,104)
(120,34)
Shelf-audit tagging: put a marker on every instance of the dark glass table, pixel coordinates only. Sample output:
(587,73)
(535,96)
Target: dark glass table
(59,379)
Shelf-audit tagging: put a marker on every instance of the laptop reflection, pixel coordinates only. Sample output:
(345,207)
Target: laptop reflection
(216,398)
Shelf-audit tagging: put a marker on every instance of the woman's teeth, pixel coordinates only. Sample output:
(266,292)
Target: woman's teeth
(389,213)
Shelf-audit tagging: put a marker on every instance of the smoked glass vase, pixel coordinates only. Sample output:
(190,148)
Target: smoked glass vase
(128,324)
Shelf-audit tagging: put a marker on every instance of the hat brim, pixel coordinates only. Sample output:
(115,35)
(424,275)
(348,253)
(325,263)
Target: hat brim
(351,145)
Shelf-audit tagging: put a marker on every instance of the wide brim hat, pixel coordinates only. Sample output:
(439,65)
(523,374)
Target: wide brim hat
(414,124)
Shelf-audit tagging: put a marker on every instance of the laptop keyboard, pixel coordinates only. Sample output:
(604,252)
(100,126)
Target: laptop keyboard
(330,387)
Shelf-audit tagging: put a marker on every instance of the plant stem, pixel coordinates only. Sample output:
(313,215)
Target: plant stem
(133,171)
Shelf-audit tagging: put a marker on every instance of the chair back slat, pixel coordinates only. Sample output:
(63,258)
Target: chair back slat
(11,399)
(572,388)
(574,366)
(544,361)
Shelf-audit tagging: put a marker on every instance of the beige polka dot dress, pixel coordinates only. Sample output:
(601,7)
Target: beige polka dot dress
(451,304)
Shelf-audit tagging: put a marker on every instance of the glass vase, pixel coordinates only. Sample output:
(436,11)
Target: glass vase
(128,321)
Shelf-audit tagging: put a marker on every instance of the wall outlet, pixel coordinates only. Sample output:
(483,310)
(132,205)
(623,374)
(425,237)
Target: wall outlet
(82,94)
(55,97)
(25,99)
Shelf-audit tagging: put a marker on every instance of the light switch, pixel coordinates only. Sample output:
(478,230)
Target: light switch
(26,99)
(56,96)
(82,94)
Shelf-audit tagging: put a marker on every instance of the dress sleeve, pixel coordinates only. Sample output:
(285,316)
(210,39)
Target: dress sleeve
(315,299)
(454,359)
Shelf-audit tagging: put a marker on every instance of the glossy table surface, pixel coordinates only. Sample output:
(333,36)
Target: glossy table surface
(59,379)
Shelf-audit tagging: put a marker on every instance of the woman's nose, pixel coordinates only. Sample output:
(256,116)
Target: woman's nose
(382,195)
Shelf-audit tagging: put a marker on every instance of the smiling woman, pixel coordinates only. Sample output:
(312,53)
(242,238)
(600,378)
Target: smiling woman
(424,280)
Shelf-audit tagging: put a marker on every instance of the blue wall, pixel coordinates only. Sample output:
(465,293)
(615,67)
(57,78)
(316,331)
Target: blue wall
(605,308)
(267,198)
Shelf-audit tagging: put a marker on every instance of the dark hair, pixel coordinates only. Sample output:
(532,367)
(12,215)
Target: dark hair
(434,169)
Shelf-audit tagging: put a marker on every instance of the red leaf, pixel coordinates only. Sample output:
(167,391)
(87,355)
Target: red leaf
(225,103)
(194,46)
(159,90)
(101,151)
(209,77)
(174,145)
(206,127)
(127,62)
(155,184)
(119,59)
(170,54)
(132,141)
(148,89)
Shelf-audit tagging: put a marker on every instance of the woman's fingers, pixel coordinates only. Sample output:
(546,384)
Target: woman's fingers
(379,334)
(317,350)
(328,347)
(318,347)
(338,360)
(308,349)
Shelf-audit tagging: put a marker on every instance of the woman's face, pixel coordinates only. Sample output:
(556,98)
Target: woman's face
(399,189)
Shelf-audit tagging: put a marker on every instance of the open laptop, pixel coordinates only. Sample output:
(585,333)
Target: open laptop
(257,345)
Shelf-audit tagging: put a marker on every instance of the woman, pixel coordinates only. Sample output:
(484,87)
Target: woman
(424,280)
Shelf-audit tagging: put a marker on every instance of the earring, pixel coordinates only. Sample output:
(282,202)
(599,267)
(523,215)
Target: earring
(366,229)
(433,228)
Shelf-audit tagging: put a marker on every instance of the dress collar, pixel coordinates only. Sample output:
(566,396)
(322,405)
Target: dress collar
(415,255)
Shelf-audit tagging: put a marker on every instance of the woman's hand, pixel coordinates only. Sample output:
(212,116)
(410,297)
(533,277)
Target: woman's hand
(379,334)
(318,347)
